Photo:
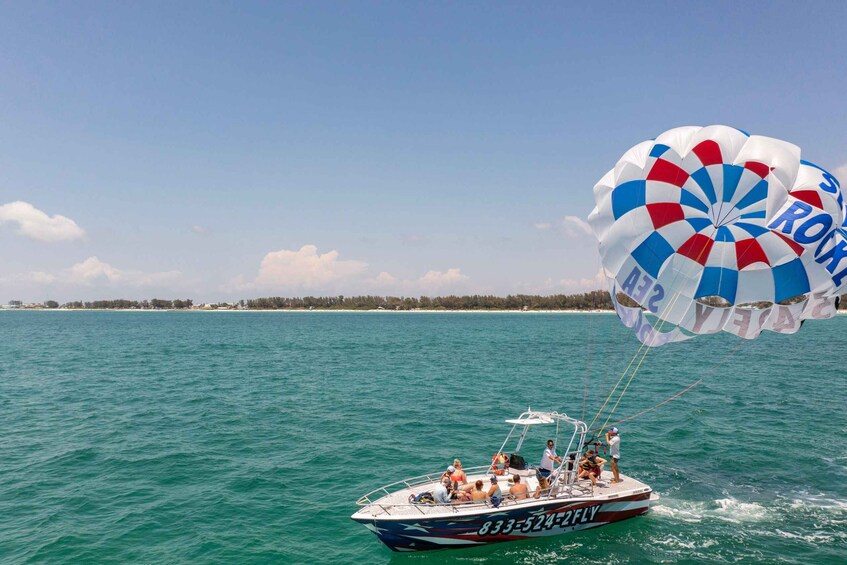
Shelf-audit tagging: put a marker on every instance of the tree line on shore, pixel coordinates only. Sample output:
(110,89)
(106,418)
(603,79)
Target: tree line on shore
(594,300)
(586,301)
(153,304)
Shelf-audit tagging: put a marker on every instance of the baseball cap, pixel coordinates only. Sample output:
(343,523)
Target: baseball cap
(614,430)
(451,468)
(493,479)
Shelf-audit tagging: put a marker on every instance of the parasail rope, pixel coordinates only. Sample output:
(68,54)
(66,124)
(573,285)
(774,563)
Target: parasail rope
(644,356)
(623,375)
(675,396)
(637,353)
(658,329)
(591,334)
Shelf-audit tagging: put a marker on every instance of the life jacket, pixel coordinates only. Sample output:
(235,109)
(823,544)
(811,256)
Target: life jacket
(499,459)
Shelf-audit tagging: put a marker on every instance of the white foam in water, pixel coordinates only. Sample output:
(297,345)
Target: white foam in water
(676,543)
(685,511)
(816,537)
(732,510)
(726,509)
(819,502)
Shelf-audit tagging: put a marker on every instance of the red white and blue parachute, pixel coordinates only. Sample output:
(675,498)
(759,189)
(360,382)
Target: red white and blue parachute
(710,229)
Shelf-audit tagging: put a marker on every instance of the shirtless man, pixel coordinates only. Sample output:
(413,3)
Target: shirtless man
(518,490)
(478,495)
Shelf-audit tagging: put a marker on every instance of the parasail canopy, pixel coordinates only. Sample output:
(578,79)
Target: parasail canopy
(709,228)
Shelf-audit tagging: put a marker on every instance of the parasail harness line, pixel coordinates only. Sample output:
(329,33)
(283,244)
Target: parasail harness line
(659,327)
(638,366)
(592,330)
(675,396)
(638,352)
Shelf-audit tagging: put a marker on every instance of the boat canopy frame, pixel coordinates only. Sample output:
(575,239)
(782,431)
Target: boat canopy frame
(534,418)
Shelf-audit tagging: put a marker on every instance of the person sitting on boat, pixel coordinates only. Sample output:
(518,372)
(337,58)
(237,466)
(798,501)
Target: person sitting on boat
(494,493)
(543,487)
(477,494)
(459,478)
(549,460)
(518,490)
(442,492)
(591,466)
(448,474)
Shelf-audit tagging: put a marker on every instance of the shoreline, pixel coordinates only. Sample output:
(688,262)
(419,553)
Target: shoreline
(316,310)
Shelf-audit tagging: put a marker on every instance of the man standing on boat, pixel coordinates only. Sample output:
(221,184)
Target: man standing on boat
(549,460)
(614,441)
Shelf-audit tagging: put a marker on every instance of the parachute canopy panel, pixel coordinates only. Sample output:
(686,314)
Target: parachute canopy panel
(710,229)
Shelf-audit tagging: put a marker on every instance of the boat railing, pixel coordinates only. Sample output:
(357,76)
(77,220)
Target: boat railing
(373,498)
(411,483)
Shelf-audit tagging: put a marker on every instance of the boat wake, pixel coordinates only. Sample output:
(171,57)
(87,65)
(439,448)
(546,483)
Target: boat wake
(725,509)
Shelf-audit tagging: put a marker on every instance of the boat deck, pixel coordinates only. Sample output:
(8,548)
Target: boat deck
(396,505)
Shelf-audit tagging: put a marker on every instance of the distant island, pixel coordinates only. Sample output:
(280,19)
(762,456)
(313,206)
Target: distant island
(588,301)
(596,300)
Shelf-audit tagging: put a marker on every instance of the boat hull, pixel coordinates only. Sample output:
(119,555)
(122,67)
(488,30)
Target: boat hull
(518,522)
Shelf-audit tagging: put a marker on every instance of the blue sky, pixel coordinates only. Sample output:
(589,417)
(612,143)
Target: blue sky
(230,150)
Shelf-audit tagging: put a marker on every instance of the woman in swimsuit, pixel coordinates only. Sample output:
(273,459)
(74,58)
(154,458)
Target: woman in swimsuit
(459,478)
(543,487)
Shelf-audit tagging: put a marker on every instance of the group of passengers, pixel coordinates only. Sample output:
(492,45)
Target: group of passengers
(454,488)
(590,464)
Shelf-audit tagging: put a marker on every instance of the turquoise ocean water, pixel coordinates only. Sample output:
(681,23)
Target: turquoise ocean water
(247,437)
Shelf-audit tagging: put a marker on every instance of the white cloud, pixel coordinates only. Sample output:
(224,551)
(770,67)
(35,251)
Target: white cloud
(199,230)
(576,227)
(308,271)
(35,224)
(303,270)
(432,283)
(385,279)
(435,280)
(841,174)
(93,278)
(570,226)
(35,277)
(93,271)
(566,286)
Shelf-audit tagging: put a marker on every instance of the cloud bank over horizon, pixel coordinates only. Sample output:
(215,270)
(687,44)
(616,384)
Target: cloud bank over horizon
(95,279)
(305,270)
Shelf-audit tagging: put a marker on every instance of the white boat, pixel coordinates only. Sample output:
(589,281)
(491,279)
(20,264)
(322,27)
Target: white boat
(571,504)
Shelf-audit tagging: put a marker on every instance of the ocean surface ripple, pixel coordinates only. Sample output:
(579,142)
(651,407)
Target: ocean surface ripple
(182,437)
